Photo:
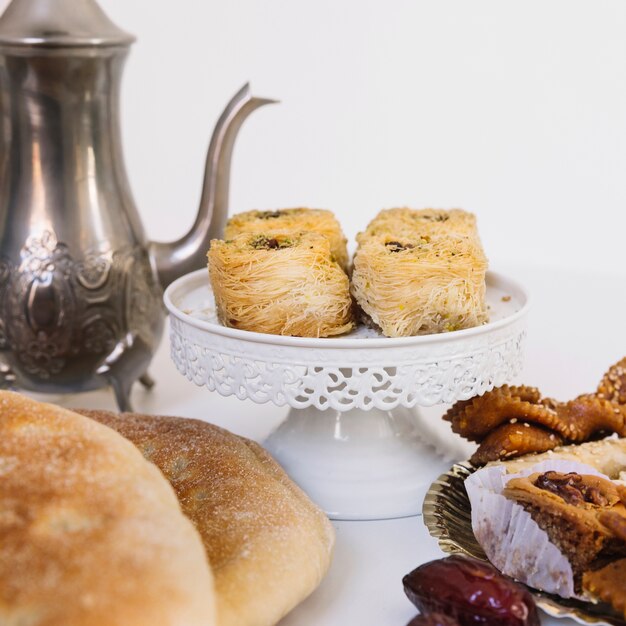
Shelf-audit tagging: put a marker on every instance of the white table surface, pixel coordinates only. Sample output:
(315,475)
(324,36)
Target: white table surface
(577,329)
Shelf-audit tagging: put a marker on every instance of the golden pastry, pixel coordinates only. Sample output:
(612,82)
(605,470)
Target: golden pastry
(568,508)
(421,278)
(404,222)
(608,584)
(291,222)
(280,284)
(613,384)
(268,544)
(589,415)
(511,440)
(476,418)
(513,421)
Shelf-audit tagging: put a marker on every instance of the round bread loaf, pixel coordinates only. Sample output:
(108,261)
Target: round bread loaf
(90,533)
(269,546)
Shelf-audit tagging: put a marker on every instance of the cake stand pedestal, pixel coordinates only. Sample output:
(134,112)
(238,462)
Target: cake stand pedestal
(354,439)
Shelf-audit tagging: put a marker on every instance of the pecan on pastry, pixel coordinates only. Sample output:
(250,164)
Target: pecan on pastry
(577,489)
(608,585)
(568,507)
(514,439)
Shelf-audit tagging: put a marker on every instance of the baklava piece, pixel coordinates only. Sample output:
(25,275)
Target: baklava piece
(290,222)
(573,510)
(280,284)
(420,272)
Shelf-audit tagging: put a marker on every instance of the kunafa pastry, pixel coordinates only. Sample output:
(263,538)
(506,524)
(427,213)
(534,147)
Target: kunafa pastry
(280,284)
(420,272)
(289,222)
(410,222)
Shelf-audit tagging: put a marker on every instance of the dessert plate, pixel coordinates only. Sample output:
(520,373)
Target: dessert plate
(354,438)
(447,515)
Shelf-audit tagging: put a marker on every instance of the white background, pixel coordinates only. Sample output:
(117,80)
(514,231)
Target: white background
(514,110)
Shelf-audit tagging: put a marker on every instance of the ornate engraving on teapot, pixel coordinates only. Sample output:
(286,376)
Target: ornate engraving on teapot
(80,283)
(55,310)
(36,301)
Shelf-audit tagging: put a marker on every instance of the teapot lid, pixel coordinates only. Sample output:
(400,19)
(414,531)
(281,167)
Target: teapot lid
(58,24)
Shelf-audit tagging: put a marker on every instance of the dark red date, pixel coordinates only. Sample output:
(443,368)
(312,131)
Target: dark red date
(433,619)
(471,592)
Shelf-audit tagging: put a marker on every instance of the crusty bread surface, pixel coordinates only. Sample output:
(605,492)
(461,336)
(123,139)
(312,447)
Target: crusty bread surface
(269,546)
(90,533)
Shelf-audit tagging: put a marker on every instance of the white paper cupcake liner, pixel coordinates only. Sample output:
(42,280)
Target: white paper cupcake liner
(512,541)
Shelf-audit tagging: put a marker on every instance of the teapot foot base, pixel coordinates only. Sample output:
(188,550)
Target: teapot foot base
(121,389)
(147,381)
(122,386)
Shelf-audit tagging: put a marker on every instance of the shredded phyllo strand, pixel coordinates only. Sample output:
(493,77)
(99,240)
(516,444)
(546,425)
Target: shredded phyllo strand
(421,272)
(280,284)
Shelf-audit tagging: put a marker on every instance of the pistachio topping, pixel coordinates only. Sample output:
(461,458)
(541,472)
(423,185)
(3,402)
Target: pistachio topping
(264,242)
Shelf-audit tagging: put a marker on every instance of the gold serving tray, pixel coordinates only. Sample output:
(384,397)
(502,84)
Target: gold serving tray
(447,516)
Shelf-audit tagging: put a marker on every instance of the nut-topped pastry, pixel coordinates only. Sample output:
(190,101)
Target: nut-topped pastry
(571,509)
(406,222)
(544,524)
(280,284)
(420,272)
(290,222)
(551,515)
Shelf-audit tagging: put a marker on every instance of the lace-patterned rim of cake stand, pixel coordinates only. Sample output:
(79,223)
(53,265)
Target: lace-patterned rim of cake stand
(353,439)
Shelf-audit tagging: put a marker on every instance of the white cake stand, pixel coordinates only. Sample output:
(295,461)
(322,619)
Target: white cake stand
(352,439)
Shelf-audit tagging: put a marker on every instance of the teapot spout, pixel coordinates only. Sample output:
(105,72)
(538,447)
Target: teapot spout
(173,259)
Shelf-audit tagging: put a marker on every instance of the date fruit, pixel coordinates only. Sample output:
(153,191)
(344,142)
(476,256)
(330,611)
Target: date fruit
(433,619)
(470,591)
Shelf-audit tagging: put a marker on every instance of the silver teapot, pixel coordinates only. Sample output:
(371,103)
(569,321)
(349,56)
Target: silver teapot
(80,286)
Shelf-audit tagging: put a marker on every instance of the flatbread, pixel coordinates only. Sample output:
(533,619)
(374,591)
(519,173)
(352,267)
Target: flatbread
(90,533)
(268,544)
